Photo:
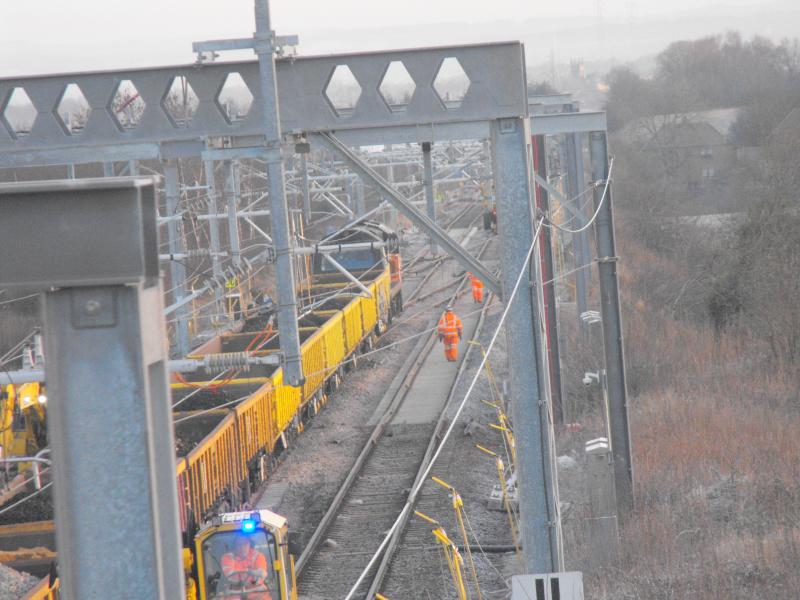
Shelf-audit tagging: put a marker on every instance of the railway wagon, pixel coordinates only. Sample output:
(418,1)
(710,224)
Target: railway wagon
(244,420)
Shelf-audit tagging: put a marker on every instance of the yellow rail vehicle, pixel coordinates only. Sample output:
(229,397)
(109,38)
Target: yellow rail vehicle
(239,442)
(245,555)
(237,556)
(23,432)
(230,429)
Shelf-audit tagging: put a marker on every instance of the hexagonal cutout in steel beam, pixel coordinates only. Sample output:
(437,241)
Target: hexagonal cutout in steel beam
(234,98)
(451,83)
(127,106)
(18,113)
(397,86)
(180,102)
(342,91)
(72,110)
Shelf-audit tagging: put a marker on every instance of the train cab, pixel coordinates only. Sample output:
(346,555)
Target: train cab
(244,556)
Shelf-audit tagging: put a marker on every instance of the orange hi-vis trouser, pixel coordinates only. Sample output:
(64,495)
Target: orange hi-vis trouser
(450,329)
(477,289)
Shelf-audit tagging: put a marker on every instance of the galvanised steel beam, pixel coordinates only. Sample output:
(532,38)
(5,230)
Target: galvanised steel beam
(495,90)
(563,200)
(271,126)
(453,248)
(613,344)
(232,198)
(576,122)
(177,268)
(429,200)
(213,226)
(576,185)
(540,524)
(549,99)
(304,187)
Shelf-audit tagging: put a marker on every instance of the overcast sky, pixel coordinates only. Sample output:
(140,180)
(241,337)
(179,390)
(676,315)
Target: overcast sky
(39,36)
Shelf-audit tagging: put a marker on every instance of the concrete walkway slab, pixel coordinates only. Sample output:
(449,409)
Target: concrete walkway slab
(428,392)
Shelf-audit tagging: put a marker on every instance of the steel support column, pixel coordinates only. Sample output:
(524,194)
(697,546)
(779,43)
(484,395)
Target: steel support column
(213,239)
(287,297)
(575,188)
(305,187)
(176,268)
(392,213)
(612,327)
(107,342)
(536,476)
(548,274)
(427,164)
(361,206)
(232,193)
(580,206)
(453,248)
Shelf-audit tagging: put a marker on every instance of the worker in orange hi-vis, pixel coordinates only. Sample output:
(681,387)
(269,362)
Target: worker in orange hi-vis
(450,330)
(477,288)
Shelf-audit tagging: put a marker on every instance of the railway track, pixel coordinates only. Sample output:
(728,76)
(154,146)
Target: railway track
(465,219)
(378,485)
(14,546)
(412,533)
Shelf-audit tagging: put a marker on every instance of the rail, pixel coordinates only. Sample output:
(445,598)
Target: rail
(393,399)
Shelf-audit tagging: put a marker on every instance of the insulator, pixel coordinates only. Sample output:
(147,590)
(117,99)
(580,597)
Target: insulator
(216,363)
(198,253)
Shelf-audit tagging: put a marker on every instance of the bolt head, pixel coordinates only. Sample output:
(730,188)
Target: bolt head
(92,307)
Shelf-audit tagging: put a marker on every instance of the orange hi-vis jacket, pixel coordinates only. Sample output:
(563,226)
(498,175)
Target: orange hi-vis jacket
(477,288)
(450,325)
(450,328)
(239,571)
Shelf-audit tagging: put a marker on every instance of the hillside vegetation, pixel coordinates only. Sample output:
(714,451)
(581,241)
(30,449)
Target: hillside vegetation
(713,348)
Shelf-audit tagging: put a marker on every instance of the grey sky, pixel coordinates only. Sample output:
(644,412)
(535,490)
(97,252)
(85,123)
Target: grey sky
(45,36)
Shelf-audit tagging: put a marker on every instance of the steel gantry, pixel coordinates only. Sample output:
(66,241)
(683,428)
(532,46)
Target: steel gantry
(493,106)
(577,126)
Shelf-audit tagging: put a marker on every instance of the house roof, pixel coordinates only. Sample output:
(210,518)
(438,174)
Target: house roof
(790,123)
(687,134)
(704,128)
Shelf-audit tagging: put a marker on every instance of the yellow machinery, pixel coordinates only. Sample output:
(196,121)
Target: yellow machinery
(221,564)
(22,421)
(214,565)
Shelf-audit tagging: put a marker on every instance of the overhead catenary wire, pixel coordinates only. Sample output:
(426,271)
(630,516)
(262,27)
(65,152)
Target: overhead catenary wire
(597,210)
(416,335)
(20,299)
(412,495)
(19,344)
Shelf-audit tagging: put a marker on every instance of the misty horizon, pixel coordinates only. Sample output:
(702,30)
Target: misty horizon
(611,37)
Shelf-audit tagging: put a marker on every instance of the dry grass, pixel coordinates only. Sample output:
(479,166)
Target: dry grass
(716,441)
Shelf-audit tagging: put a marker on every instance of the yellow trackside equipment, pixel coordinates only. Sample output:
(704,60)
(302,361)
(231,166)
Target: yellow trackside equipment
(269,535)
